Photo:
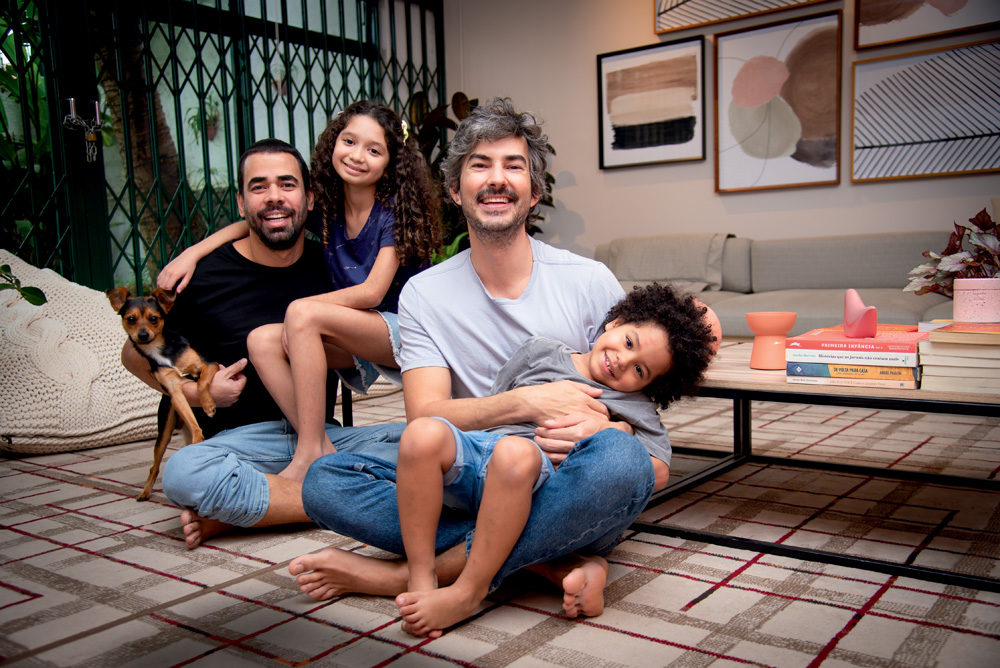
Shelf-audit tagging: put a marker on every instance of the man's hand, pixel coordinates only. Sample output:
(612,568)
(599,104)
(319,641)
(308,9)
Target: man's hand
(561,398)
(558,436)
(228,383)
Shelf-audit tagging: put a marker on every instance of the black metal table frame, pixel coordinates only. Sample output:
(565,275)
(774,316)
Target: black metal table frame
(743,454)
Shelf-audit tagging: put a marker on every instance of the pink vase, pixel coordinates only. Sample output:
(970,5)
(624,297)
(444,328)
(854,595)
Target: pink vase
(770,329)
(976,300)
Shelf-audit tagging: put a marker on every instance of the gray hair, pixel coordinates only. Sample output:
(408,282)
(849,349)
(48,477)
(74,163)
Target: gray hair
(493,121)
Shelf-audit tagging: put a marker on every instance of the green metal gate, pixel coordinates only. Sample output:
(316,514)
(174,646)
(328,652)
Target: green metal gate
(170,93)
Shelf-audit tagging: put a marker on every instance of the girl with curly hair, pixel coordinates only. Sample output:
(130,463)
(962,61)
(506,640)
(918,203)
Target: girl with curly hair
(378,216)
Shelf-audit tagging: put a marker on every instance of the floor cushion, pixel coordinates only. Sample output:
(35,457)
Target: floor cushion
(63,385)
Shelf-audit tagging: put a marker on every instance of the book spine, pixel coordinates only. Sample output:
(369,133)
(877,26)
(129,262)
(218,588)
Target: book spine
(854,382)
(851,357)
(868,346)
(852,371)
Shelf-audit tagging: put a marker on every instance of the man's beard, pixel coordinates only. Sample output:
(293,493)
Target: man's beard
(277,239)
(498,233)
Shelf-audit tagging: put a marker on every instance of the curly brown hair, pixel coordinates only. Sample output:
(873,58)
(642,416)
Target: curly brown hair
(406,185)
(689,335)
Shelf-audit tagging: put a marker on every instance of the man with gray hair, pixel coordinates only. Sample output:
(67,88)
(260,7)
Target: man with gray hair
(460,321)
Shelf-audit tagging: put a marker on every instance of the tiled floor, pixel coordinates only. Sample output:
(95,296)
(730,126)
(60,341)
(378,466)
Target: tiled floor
(89,577)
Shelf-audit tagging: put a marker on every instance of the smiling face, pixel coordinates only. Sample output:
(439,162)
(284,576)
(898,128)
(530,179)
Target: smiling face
(629,356)
(495,188)
(361,156)
(273,200)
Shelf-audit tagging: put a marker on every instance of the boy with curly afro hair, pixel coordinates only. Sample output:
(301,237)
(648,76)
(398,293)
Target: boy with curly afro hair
(655,347)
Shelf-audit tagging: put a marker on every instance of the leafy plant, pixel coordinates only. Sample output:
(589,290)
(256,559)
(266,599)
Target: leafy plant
(9,282)
(973,251)
(213,113)
(30,97)
(450,249)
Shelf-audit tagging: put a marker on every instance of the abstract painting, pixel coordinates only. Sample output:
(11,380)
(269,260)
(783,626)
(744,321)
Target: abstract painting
(678,14)
(927,114)
(652,104)
(777,111)
(880,22)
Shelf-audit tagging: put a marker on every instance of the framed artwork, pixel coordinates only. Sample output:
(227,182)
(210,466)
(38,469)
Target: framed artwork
(927,114)
(671,15)
(777,104)
(652,104)
(878,22)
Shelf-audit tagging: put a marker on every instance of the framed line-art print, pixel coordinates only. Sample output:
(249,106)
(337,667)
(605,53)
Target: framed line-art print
(931,113)
(651,103)
(878,22)
(671,15)
(777,105)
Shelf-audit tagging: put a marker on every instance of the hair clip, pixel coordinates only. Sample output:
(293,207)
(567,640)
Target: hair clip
(406,130)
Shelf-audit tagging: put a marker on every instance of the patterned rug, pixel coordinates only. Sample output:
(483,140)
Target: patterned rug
(89,577)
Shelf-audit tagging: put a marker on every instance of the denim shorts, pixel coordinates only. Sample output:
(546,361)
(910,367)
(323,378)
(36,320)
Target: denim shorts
(463,483)
(365,373)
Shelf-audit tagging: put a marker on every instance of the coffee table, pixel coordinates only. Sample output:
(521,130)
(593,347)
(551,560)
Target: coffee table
(730,377)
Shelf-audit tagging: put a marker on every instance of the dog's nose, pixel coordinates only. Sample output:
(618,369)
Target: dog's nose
(143,336)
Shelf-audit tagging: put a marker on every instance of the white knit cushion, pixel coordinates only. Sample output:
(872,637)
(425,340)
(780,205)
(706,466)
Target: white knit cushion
(62,383)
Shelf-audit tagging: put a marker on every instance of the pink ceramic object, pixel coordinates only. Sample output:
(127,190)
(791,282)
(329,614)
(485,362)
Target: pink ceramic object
(860,321)
(770,329)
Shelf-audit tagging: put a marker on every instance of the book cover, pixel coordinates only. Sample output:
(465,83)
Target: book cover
(884,341)
(881,327)
(852,371)
(961,371)
(863,357)
(963,362)
(980,333)
(880,383)
(958,349)
(956,384)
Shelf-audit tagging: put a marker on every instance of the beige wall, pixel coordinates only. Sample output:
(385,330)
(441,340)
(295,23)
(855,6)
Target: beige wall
(542,53)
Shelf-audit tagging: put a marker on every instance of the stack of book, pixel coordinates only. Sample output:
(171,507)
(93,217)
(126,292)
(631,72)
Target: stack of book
(829,357)
(961,357)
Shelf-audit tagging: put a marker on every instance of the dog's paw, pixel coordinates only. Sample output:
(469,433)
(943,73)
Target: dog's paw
(209,410)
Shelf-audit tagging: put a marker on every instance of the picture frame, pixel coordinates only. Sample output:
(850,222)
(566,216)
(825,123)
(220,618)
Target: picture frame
(876,25)
(651,104)
(926,114)
(670,15)
(778,104)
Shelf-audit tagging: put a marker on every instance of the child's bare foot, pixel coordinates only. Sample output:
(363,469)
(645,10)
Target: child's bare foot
(427,613)
(583,588)
(333,572)
(198,529)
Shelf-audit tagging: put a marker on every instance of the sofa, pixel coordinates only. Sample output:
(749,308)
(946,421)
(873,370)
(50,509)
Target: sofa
(809,276)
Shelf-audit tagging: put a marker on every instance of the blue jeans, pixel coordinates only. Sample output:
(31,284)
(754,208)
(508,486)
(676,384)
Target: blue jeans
(223,478)
(594,495)
(465,480)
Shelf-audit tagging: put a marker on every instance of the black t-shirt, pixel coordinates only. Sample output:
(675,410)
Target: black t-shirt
(228,297)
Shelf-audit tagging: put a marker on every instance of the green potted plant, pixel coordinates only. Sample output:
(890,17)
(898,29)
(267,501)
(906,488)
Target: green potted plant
(213,113)
(968,269)
(30,294)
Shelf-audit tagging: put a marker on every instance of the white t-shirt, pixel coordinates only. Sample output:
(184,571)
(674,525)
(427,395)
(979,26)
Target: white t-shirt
(448,319)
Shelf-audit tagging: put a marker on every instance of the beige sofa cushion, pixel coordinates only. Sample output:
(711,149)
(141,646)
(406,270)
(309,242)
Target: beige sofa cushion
(64,386)
(691,262)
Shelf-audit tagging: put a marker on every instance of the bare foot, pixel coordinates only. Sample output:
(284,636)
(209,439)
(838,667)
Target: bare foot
(426,613)
(333,572)
(198,529)
(583,588)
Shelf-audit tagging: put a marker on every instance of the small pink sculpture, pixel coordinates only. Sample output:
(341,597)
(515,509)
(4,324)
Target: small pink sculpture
(860,321)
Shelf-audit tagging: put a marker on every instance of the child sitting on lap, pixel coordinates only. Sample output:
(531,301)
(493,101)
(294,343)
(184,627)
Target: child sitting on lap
(655,348)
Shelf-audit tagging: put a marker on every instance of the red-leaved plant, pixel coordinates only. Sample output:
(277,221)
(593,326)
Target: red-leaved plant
(973,251)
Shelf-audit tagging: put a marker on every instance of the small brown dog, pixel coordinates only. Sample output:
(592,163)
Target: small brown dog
(171,358)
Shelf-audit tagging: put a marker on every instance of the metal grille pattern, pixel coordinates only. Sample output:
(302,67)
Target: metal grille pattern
(185,86)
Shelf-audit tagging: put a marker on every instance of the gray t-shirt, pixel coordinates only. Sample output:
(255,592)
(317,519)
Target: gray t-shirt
(543,360)
(448,319)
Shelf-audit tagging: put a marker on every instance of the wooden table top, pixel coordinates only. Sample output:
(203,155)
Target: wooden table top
(731,370)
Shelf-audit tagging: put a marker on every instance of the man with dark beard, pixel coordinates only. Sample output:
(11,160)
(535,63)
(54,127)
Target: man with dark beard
(230,478)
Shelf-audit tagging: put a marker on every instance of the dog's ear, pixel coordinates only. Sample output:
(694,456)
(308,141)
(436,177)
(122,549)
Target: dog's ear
(164,299)
(117,297)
